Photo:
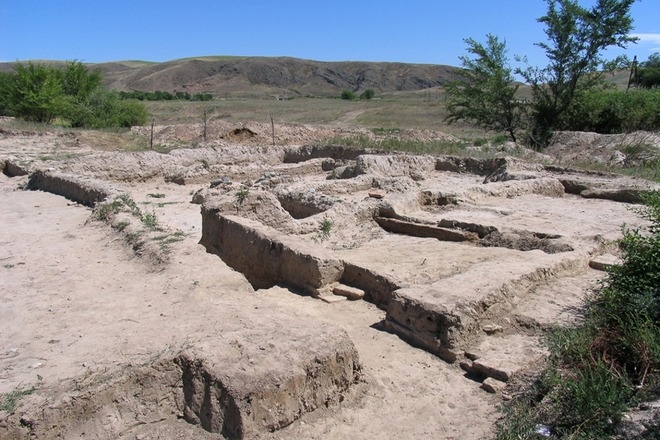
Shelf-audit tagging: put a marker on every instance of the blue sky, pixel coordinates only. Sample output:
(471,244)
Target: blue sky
(413,31)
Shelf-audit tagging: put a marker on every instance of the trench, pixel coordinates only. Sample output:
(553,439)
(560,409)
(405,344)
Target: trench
(473,233)
(267,259)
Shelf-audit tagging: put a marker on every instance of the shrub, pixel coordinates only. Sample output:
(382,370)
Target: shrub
(347,94)
(599,369)
(367,94)
(103,109)
(613,111)
(242,195)
(40,93)
(201,97)
(33,92)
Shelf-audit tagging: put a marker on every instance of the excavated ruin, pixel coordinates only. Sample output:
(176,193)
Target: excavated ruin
(449,247)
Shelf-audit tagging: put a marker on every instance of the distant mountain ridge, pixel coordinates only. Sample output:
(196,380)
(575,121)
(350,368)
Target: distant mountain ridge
(271,75)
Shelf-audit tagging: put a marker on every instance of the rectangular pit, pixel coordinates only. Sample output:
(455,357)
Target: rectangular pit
(266,256)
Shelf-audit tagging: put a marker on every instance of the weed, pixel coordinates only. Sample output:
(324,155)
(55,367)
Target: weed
(325,228)
(156,195)
(165,240)
(380,131)
(163,204)
(129,203)
(120,226)
(150,221)
(242,195)
(170,238)
(397,144)
(8,401)
(133,237)
(499,139)
(638,153)
(105,211)
(205,164)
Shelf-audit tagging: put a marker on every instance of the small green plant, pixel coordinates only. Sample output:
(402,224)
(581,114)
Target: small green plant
(325,228)
(165,240)
(120,226)
(129,203)
(205,164)
(104,211)
(380,131)
(499,139)
(242,195)
(150,221)
(156,195)
(9,401)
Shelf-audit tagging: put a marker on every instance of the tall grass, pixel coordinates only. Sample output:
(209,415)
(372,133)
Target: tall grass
(393,143)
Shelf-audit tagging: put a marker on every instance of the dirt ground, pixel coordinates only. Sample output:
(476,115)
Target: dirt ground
(91,323)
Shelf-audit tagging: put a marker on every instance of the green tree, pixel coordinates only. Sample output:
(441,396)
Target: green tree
(653,61)
(73,94)
(577,37)
(5,78)
(484,94)
(649,72)
(78,81)
(33,92)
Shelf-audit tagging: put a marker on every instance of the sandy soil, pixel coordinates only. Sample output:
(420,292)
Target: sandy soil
(77,302)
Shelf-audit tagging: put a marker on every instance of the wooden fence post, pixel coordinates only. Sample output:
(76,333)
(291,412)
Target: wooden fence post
(151,140)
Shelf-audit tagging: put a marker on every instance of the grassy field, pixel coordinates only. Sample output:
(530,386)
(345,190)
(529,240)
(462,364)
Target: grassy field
(406,110)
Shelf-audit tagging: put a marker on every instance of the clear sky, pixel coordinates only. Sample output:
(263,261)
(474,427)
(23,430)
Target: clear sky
(412,31)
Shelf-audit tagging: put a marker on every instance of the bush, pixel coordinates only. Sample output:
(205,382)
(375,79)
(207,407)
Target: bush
(367,94)
(649,77)
(598,370)
(612,111)
(105,109)
(347,94)
(41,93)
(5,79)
(33,92)
(159,95)
(201,97)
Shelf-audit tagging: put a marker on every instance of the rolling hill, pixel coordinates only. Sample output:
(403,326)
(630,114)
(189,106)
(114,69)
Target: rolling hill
(263,75)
